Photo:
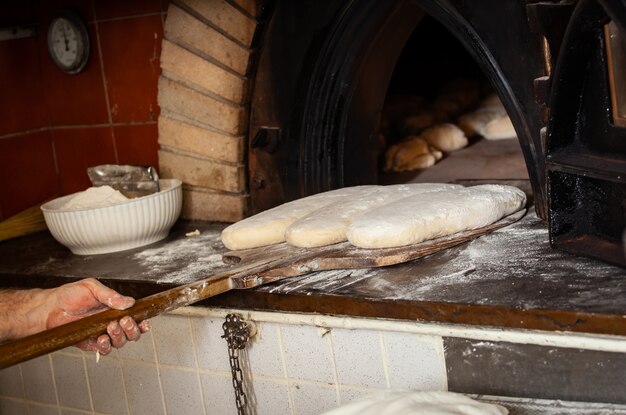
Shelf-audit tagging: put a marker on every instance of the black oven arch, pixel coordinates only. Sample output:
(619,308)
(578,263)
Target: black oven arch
(317,133)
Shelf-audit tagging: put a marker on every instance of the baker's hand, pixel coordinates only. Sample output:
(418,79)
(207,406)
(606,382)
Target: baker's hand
(79,299)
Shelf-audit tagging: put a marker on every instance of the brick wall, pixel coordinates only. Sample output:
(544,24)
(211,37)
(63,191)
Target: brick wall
(203,95)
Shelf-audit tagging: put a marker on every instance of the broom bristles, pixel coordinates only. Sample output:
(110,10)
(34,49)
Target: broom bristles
(24,223)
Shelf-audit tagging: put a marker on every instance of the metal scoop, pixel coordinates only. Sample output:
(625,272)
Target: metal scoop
(132,181)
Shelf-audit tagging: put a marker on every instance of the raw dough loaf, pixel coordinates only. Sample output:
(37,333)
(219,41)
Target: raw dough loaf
(268,227)
(446,137)
(473,122)
(329,224)
(417,403)
(418,218)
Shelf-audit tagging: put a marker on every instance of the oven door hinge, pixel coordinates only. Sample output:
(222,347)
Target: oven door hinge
(548,20)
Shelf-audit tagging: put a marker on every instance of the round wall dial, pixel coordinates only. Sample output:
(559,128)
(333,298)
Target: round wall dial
(68,42)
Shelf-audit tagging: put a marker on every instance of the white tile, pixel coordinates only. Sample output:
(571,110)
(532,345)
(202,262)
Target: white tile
(313,399)
(142,350)
(71,381)
(143,389)
(38,383)
(211,348)
(11,382)
(182,392)
(307,353)
(74,412)
(8,406)
(415,362)
(270,398)
(35,409)
(264,351)
(347,395)
(219,395)
(172,337)
(107,385)
(359,358)
(72,350)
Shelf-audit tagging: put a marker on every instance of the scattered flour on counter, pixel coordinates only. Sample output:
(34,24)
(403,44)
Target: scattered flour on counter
(95,197)
(184,260)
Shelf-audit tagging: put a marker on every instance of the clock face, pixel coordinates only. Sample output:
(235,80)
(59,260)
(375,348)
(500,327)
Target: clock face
(68,42)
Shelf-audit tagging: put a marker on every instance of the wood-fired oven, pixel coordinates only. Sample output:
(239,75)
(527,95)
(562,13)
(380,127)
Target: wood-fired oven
(324,68)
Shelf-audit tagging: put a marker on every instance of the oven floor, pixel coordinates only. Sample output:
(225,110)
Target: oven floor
(481,160)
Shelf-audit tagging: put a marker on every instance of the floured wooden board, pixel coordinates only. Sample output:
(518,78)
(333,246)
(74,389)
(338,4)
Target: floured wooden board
(346,256)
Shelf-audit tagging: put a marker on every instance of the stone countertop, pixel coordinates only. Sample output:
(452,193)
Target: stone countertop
(510,278)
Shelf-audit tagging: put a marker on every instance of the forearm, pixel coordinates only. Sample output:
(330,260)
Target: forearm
(18,313)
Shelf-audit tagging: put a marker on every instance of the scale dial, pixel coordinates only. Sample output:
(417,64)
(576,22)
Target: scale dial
(68,42)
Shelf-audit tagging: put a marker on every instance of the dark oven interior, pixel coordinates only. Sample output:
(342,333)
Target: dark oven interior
(328,72)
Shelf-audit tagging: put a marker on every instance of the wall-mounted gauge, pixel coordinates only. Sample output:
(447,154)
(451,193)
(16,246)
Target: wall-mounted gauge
(68,42)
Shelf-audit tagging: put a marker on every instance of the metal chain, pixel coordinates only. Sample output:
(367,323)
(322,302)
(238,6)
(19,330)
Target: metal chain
(237,334)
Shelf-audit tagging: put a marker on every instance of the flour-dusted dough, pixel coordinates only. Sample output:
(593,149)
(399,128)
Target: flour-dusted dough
(417,403)
(268,227)
(417,218)
(329,224)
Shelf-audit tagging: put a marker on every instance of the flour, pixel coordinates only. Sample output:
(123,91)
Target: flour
(95,197)
(514,265)
(200,254)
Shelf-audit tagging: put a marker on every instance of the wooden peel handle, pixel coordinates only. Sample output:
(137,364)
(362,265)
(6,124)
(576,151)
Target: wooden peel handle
(71,333)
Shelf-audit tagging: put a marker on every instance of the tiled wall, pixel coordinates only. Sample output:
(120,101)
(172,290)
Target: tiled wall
(301,364)
(52,125)
(182,367)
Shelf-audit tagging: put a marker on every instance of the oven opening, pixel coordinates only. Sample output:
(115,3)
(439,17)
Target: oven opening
(442,120)
(337,92)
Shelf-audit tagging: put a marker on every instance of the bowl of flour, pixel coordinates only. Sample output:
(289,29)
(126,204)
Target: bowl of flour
(101,220)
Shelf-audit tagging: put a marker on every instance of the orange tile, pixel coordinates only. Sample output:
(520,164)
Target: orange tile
(22,106)
(27,172)
(74,99)
(79,148)
(111,9)
(137,144)
(132,71)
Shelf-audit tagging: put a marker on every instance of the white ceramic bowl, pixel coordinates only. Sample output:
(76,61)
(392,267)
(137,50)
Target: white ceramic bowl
(126,225)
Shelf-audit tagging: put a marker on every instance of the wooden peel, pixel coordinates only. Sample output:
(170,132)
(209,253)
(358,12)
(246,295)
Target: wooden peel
(346,256)
(254,267)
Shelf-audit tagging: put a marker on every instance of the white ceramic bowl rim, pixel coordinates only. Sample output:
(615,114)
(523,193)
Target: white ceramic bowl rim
(166,185)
